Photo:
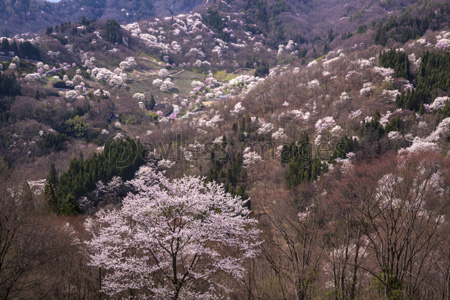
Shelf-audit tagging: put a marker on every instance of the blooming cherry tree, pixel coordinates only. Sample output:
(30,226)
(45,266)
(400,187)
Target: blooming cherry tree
(163,73)
(128,64)
(170,238)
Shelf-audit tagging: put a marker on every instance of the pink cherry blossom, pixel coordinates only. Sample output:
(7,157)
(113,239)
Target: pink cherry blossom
(170,238)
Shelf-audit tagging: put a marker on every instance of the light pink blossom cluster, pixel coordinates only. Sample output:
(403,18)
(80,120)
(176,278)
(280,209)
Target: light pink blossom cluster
(186,229)
(325,123)
(443,44)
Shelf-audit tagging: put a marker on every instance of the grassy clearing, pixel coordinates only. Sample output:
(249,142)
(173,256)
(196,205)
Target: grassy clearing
(183,81)
(223,76)
(140,86)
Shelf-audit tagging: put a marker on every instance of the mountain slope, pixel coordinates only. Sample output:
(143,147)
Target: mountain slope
(283,18)
(338,141)
(19,16)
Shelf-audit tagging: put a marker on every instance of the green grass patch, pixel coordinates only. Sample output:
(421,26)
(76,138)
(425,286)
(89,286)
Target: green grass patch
(223,76)
(320,58)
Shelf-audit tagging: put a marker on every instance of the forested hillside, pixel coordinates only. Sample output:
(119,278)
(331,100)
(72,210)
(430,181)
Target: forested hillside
(21,16)
(244,150)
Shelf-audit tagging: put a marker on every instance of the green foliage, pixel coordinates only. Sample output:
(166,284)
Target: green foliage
(51,184)
(76,127)
(326,48)
(24,49)
(84,73)
(397,60)
(5,45)
(9,86)
(390,285)
(29,51)
(150,105)
(53,175)
(113,32)
(50,198)
(433,75)
(227,168)
(446,110)
(357,15)
(331,35)
(267,20)
(361,29)
(53,141)
(69,206)
(252,28)
(278,7)
(49,30)
(62,39)
(74,31)
(373,129)
(344,146)
(227,158)
(84,21)
(262,70)
(412,23)
(301,166)
(302,53)
(14,47)
(300,40)
(119,158)
(27,204)
(248,129)
(25,67)
(346,35)
(214,19)
(395,124)
(60,85)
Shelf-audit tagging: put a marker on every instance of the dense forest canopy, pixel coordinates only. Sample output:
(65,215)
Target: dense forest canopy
(257,149)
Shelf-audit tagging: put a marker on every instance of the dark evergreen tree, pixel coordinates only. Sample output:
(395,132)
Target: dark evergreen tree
(396,60)
(446,110)
(84,21)
(53,175)
(411,24)
(29,51)
(150,105)
(113,32)
(395,124)
(69,206)
(50,197)
(9,86)
(344,146)
(227,165)
(301,166)
(51,183)
(119,158)
(433,76)
(14,48)
(373,129)
(27,203)
(5,45)
(262,70)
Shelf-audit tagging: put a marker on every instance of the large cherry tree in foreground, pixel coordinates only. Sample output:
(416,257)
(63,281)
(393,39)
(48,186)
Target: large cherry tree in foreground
(179,239)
